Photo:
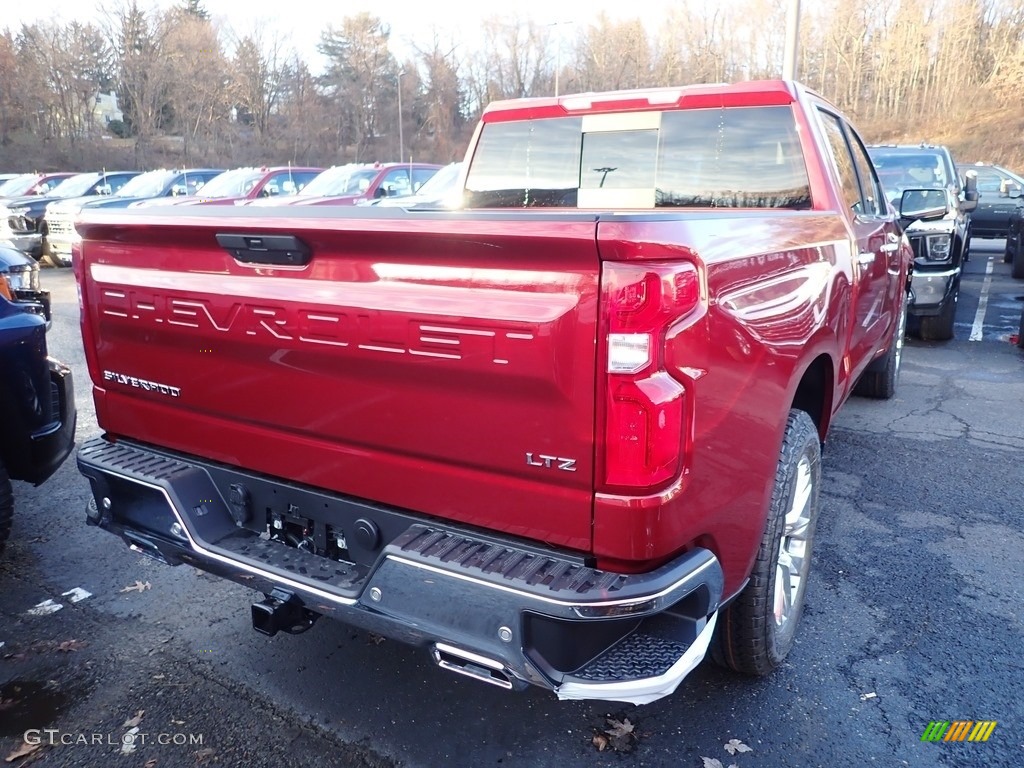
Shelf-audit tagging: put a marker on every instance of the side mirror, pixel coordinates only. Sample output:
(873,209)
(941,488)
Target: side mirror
(381,192)
(104,189)
(1015,191)
(970,201)
(924,204)
(177,190)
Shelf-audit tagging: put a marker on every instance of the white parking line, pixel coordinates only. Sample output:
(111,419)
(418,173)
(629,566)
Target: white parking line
(979,317)
(47,607)
(44,608)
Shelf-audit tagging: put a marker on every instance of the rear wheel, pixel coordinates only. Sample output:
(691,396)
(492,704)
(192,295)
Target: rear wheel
(879,380)
(6,506)
(756,631)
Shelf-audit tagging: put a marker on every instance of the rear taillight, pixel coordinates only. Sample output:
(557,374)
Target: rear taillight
(644,413)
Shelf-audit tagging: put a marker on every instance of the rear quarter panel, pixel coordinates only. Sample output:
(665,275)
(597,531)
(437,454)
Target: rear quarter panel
(778,297)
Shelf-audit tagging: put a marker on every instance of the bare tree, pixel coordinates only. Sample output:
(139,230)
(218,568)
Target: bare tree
(145,75)
(64,66)
(257,77)
(306,123)
(11,103)
(441,107)
(198,94)
(612,55)
(515,61)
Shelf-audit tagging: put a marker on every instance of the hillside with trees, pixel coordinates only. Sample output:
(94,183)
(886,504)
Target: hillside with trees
(193,92)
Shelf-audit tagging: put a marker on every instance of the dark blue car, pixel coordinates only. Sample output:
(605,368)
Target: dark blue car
(37,400)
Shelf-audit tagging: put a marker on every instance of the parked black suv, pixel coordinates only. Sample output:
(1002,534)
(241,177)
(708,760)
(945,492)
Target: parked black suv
(37,401)
(922,180)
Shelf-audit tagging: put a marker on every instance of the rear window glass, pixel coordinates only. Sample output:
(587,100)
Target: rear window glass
(748,157)
(526,163)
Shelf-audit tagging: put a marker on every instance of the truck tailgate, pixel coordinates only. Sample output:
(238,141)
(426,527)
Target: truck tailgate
(440,363)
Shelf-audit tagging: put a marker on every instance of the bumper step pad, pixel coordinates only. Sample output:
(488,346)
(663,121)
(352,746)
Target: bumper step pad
(636,657)
(275,556)
(499,561)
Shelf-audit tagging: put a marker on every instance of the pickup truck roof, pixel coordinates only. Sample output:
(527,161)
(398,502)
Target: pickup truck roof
(745,94)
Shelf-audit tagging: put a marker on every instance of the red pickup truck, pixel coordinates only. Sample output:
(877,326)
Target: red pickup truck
(567,435)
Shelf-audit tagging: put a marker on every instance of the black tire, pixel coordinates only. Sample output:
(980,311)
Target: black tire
(880,379)
(6,506)
(748,638)
(940,327)
(1017,270)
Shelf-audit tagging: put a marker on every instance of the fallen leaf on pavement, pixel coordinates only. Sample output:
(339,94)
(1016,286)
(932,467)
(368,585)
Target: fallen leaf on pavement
(150,764)
(600,741)
(711,762)
(376,639)
(23,750)
(135,720)
(71,645)
(621,734)
(619,729)
(203,754)
(138,586)
(735,745)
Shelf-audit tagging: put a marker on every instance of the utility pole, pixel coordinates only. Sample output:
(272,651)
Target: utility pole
(792,40)
(401,141)
(558,51)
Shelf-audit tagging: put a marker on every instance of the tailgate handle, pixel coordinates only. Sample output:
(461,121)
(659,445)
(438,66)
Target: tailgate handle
(284,250)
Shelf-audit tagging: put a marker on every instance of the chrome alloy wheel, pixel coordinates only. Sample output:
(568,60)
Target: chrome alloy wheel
(794,561)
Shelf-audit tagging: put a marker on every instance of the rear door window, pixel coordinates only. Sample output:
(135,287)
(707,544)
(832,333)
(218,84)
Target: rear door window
(740,157)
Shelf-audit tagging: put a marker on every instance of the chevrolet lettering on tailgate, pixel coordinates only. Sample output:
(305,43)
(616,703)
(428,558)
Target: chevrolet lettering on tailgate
(358,328)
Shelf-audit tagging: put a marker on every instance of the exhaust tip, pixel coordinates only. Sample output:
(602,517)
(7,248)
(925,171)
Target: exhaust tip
(471,665)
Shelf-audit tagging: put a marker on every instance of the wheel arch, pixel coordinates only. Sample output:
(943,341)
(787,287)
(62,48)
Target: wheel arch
(815,392)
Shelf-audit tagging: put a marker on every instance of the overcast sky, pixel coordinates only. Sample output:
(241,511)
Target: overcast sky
(302,21)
